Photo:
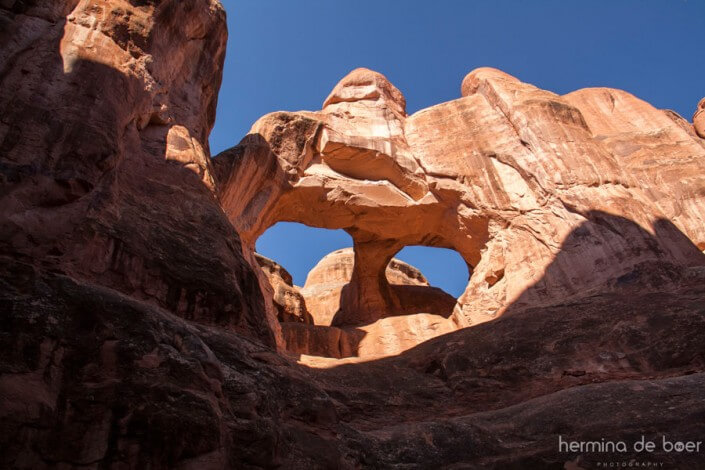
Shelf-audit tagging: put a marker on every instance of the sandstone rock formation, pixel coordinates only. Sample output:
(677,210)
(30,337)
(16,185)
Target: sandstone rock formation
(498,395)
(424,312)
(505,175)
(106,168)
(290,304)
(137,331)
(699,119)
(327,280)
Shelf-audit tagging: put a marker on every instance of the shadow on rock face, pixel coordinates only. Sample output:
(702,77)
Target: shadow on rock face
(541,367)
(404,300)
(276,159)
(639,259)
(110,231)
(323,341)
(131,324)
(105,178)
(94,371)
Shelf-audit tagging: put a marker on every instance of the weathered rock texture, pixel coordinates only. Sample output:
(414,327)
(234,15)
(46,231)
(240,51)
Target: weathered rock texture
(136,332)
(424,313)
(512,177)
(327,281)
(699,119)
(106,176)
(290,304)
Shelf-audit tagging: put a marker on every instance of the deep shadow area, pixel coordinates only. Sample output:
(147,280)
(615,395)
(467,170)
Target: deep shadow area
(623,363)
(647,323)
(132,327)
(89,186)
(322,341)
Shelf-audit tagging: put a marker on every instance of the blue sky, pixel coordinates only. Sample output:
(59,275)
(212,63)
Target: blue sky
(288,55)
(298,248)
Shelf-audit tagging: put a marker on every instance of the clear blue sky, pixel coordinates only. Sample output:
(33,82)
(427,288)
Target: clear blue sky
(288,55)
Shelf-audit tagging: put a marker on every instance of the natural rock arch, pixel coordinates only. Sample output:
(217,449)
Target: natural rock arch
(369,295)
(307,170)
(441,177)
(405,289)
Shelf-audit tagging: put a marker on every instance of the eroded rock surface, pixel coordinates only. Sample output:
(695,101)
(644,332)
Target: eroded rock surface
(325,286)
(290,304)
(512,177)
(424,312)
(137,332)
(106,172)
(699,119)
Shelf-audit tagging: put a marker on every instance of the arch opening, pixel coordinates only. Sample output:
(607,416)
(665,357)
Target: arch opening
(299,247)
(338,297)
(442,268)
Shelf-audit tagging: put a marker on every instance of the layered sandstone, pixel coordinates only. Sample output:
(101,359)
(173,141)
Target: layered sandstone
(515,179)
(137,332)
(113,247)
(106,167)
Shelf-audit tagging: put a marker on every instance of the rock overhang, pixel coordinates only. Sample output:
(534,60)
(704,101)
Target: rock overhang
(503,175)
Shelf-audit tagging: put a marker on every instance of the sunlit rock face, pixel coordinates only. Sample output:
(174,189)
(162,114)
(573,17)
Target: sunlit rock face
(136,331)
(597,185)
(327,280)
(423,312)
(699,119)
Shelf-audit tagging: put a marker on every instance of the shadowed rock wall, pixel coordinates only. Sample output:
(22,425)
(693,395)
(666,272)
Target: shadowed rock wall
(133,329)
(106,172)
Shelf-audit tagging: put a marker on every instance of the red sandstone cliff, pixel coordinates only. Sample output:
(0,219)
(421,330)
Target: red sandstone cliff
(137,330)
